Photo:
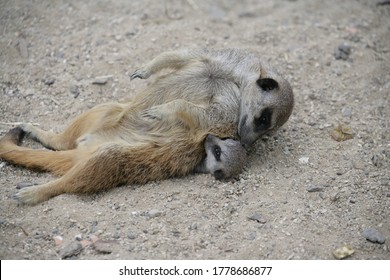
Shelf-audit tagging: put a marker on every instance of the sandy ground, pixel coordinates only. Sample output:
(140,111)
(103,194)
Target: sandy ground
(310,194)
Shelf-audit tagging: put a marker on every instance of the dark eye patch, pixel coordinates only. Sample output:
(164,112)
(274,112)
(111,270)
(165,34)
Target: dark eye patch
(267,84)
(264,121)
(217,152)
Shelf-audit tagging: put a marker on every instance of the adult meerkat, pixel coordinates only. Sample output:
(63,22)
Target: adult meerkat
(216,87)
(225,86)
(216,92)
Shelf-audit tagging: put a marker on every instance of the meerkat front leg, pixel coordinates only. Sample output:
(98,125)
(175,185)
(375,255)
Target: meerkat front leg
(173,60)
(175,110)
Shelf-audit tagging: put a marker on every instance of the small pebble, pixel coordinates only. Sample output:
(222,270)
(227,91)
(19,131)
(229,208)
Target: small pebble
(258,218)
(304,160)
(342,52)
(49,81)
(343,252)
(376,160)
(385,182)
(79,237)
(74,89)
(342,133)
(131,235)
(247,14)
(193,226)
(346,112)
(251,235)
(373,235)
(104,247)
(315,189)
(102,80)
(58,240)
(154,213)
(23,48)
(358,164)
(335,196)
(382,3)
(70,250)
(94,226)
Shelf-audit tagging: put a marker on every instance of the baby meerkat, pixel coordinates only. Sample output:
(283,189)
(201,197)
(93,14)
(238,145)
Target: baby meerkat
(161,133)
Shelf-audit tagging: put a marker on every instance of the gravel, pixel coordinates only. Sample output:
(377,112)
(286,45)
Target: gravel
(47,76)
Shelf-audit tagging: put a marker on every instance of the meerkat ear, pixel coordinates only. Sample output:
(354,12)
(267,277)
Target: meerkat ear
(267,84)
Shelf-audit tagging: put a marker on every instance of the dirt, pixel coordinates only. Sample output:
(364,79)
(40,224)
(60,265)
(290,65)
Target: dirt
(302,194)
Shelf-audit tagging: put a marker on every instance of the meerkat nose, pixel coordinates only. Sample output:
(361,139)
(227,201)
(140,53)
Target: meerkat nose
(219,174)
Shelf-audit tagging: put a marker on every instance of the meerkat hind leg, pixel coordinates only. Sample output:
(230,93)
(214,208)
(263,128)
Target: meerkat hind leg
(103,116)
(48,139)
(98,172)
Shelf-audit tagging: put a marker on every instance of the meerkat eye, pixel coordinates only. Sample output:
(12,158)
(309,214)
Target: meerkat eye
(267,84)
(264,121)
(217,152)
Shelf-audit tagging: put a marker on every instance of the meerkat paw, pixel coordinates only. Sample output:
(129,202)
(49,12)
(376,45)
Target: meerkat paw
(141,74)
(29,195)
(28,128)
(154,113)
(15,135)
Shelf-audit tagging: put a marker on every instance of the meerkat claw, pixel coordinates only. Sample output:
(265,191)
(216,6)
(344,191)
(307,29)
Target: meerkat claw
(141,74)
(150,114)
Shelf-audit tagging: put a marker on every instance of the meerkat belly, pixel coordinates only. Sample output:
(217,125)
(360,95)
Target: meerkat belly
(91,140)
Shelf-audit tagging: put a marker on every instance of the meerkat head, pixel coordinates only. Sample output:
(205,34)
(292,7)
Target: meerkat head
(224,158)
(266,104)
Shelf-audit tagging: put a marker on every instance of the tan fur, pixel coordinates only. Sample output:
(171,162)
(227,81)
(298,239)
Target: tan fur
(160,133)
(90,169)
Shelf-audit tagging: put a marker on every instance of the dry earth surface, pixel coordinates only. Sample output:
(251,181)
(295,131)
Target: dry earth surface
(302,195)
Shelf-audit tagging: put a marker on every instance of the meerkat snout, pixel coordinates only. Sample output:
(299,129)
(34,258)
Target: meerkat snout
(266,105)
